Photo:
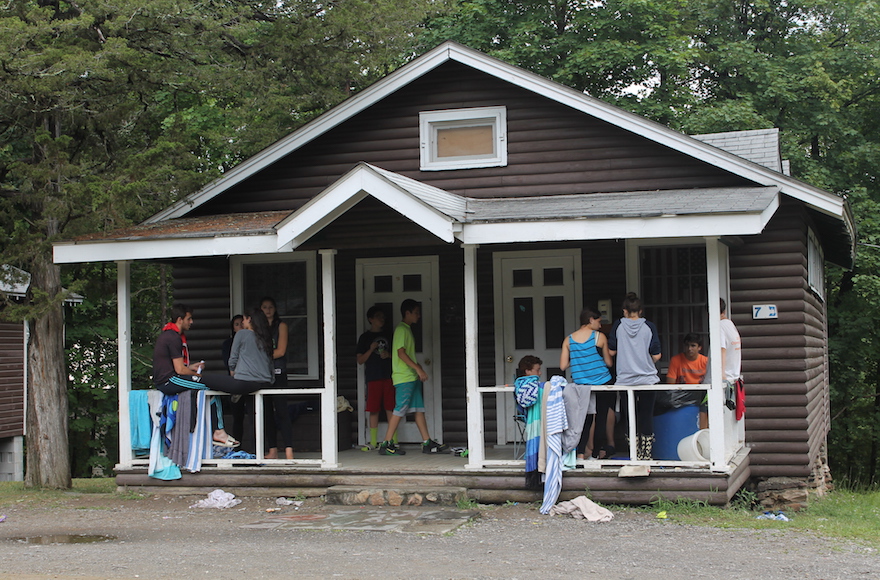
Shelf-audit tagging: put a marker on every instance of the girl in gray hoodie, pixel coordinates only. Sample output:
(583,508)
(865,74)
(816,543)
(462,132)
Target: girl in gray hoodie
(636,344)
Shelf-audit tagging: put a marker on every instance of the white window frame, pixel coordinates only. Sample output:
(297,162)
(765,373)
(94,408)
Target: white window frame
(815,264)
(431,121)
(310,259)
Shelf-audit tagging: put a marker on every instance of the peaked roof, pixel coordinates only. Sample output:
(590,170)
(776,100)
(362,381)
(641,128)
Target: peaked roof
(816,198)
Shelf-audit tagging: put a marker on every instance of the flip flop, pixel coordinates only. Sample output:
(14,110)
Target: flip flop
(230,442)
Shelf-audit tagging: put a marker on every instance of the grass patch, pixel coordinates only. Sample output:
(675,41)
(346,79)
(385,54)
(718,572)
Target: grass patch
(466,503)
(15,492)
(843,514)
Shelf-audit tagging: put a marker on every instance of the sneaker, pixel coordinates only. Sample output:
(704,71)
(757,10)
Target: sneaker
(431,446)
(389,448)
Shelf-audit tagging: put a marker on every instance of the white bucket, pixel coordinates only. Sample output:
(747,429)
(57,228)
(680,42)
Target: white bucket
(694,447)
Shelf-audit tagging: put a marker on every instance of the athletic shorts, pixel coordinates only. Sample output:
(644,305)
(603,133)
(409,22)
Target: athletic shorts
(409,398)
(380,395)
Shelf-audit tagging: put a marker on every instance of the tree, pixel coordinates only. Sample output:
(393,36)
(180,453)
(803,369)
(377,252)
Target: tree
(110,111)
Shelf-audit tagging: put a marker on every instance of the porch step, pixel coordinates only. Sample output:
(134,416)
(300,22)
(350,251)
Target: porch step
(394,496)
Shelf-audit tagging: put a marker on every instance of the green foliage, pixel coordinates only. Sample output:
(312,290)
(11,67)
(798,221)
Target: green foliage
(744,500)
(679,505)
(467,503)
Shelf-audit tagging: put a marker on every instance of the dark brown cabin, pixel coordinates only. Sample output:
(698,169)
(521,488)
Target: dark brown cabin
(505,203)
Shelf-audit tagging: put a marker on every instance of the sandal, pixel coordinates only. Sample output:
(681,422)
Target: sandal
(369,447)
(229,442)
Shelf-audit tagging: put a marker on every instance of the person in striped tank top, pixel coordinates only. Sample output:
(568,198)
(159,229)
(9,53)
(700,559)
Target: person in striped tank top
(586,352)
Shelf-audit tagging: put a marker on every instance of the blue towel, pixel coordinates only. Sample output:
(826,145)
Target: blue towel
(139,419)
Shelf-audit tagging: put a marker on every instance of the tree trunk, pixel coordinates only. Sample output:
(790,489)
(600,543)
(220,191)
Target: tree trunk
(48,455)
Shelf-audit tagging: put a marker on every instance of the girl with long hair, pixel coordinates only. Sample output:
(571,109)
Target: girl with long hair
(586,351)
(277,412)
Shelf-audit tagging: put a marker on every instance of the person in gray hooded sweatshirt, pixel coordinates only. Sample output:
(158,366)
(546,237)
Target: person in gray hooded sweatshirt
(635,343)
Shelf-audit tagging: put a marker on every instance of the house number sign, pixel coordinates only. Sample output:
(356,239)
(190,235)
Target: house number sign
(764,311)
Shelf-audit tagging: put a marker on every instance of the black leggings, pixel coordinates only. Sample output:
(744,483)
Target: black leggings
(605,401)
(644,411)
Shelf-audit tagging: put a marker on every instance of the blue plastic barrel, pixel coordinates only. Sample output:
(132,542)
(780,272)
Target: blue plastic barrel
(673,426)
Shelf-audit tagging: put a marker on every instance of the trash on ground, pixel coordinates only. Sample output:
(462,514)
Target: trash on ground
(217,499)
(779,516)
(285,501)
(582,508)
(662,515)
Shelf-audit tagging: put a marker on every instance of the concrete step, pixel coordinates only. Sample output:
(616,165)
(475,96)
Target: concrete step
(395,496)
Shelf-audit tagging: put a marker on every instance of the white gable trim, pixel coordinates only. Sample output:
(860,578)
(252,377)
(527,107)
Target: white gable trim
(449,51)
(340,197)
(99,251)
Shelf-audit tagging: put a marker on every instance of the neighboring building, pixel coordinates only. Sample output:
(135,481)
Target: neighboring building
(505,202)
(13,377)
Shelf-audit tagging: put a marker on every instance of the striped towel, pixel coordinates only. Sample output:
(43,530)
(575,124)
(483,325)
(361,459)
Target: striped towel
(555,423)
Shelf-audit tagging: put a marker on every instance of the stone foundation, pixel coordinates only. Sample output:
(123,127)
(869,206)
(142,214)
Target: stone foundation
(794,493)
(397,496)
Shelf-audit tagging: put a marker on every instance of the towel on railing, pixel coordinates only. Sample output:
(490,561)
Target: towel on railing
(139,420)
(555,423)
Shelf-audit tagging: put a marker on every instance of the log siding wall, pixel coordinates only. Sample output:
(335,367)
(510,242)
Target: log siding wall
(785,361)
(551,150)
(11,379)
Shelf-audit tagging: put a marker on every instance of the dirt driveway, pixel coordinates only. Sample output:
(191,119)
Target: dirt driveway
(162,537)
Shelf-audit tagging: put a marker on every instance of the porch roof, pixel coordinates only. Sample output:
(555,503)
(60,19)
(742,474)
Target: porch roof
(450,217)
(640,204)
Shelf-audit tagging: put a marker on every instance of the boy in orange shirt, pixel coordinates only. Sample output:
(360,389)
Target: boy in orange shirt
(689,368)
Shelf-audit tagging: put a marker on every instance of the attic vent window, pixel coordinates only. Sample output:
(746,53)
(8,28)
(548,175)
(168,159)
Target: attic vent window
(463,138)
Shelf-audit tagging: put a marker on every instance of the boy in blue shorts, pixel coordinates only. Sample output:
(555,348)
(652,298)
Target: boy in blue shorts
(407,375)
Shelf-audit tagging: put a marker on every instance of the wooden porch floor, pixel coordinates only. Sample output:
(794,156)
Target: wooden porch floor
(599,480)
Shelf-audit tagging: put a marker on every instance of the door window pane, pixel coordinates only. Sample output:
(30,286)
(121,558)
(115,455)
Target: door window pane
(553,277)
(412,282)
(554,321)
(524,323)
(382,284)
(522,278)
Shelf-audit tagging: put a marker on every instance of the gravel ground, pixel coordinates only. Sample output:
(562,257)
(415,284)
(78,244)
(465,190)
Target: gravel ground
(161,537)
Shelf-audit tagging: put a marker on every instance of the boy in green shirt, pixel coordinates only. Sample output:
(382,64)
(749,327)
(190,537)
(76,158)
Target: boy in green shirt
(408,376)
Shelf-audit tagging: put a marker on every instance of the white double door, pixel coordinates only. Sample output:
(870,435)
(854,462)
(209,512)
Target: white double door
(538,297)
(387,282)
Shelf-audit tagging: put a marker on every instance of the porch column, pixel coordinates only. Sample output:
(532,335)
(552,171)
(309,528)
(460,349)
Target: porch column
(329,437)
(123,314)
(717,444)
(476,440)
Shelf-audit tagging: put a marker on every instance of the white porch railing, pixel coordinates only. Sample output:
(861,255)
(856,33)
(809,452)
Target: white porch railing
(260,433)
(732,442)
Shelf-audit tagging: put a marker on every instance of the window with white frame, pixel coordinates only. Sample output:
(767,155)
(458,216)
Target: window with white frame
(463,138)
(815,265)
(290,280)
